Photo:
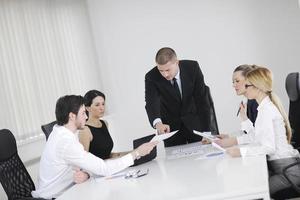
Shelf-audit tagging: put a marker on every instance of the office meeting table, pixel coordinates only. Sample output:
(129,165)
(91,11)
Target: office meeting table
(188,177)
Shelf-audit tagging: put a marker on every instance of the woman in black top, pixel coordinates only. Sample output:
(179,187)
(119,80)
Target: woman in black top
(95,136)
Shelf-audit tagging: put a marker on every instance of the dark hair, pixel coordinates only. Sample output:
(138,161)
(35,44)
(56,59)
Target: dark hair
(245,69)
(91,95)
(164,55)
(66,105)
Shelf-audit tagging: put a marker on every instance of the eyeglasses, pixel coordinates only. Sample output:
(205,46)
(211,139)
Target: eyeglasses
(248,85)
(136,174)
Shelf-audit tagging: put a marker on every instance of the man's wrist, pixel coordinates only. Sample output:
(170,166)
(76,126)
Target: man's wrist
(156,121)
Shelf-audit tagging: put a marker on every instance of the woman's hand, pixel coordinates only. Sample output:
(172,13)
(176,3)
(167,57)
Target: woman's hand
(222,136)
(234,151)
(227,142)
(243,111)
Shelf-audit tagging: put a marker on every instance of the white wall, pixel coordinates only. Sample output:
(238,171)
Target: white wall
(219,34)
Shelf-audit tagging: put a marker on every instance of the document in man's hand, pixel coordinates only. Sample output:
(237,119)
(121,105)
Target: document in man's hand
(162,137)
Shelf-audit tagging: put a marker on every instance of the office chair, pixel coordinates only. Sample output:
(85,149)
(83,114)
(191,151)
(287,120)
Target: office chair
(47,128)
(292,85)
(14,177)
(213,119)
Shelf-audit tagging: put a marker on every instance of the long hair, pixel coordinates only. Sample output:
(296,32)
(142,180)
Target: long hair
(262,79)
(90,96)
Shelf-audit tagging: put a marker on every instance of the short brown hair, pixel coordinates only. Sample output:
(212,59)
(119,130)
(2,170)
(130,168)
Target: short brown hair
(164,55)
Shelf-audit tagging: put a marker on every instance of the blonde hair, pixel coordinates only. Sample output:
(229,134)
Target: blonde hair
(262,79)
(244,69)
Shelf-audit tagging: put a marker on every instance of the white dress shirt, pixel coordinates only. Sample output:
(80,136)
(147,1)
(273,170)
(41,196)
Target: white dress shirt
(62,154)
(269,134)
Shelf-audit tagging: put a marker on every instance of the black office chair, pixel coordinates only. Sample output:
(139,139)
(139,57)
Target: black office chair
(47,128)
(14,177)
(213,119)
(292,85)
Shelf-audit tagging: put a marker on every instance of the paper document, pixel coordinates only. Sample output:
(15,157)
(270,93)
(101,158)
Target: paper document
(218,146)
(206,135)
(162,137)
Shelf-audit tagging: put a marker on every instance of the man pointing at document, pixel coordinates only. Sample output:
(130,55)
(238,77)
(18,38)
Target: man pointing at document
(176,98)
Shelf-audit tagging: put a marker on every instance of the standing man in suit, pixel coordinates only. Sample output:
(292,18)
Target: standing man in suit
(176,98)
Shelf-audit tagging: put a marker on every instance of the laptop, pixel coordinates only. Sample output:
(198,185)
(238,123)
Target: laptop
(148,157)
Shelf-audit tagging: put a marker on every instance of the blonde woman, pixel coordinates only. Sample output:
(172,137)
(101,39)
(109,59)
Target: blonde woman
(238,83)
(272,132)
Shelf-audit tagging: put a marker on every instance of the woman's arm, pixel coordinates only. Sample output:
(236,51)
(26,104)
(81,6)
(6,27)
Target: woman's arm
(85,137)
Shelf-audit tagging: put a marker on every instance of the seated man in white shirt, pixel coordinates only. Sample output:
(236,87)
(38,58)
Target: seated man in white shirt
(64,155)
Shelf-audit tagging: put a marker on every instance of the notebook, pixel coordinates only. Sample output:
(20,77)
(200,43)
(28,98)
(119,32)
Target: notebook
(146,158)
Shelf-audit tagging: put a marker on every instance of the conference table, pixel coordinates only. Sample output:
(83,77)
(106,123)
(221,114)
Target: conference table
(188,177)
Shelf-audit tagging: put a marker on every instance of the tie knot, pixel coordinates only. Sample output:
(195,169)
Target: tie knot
(174,79)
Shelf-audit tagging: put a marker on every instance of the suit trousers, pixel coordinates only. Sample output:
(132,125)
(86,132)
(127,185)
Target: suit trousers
(183,136)
(277,181)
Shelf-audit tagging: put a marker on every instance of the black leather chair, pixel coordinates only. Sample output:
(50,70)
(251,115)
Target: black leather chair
(213,119)
(292,85)
(14,177)
(47,128)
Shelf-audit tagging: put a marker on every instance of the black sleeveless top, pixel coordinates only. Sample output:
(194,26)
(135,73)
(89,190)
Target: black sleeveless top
(102,143)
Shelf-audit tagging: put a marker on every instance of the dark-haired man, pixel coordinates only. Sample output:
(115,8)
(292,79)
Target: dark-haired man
(176,98)
(63,154)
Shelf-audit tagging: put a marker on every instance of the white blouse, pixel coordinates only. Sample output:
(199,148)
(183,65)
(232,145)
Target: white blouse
(62,154)
(268,137)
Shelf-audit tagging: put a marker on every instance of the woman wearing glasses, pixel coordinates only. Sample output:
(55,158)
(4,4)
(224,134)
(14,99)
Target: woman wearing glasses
(272,132)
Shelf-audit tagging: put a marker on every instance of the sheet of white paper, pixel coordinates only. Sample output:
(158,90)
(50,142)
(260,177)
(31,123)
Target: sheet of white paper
(162,137)
(206,135)
(218,146)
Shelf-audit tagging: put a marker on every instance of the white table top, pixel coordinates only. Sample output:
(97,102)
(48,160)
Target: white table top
(220,177)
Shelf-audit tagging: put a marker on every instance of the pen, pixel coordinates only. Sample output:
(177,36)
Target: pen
(238,112)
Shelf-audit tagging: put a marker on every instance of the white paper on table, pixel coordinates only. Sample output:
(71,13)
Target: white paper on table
(162,137)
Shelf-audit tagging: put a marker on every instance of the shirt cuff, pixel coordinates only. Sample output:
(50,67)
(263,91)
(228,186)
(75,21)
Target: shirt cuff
(246,125)
(128,158)
(240,139)
(243,151)
(157,120)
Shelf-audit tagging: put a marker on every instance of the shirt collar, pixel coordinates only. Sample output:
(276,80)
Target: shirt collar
(265,101)
(177,76)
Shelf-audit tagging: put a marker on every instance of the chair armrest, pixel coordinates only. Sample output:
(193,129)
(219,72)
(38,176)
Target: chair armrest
(284,171)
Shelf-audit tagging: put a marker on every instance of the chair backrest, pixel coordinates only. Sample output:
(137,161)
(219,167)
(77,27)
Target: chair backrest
(292,85)
(14,177)
(213,119)
(47,128)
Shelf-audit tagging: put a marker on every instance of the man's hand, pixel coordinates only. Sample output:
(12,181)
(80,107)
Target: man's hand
(162,128)
(144,149)
(80,176)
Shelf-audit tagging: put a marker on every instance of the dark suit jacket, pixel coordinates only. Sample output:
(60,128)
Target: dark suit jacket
(252,109)
(162,102)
